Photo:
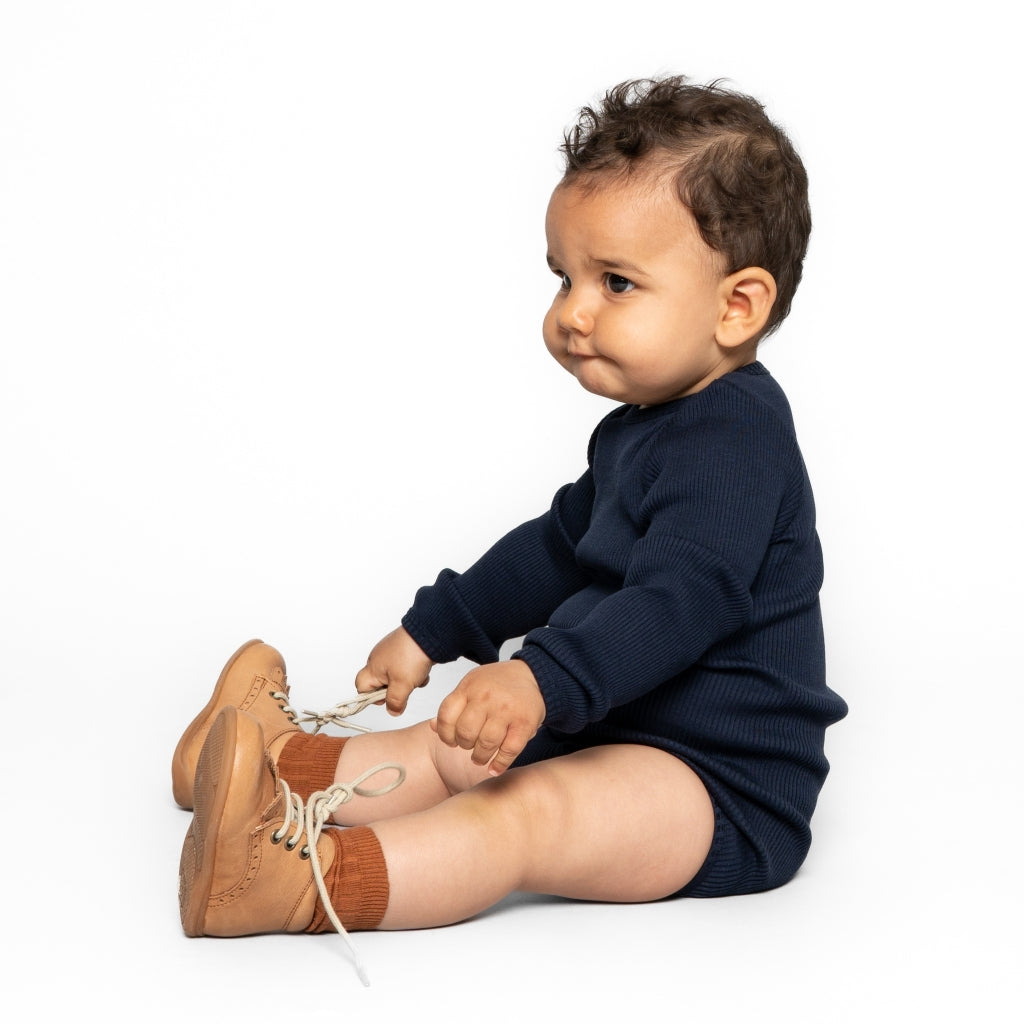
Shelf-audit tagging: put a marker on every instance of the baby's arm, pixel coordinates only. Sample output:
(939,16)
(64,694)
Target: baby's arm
(398,663)
(494,711)
(709,495)
(514,587)
(497,708)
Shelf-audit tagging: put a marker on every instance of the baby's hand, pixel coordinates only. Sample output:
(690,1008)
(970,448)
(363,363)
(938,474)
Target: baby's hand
(494,711)
(398,663)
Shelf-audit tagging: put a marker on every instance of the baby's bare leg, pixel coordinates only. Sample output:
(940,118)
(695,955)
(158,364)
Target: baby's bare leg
(433,772)
(614,823)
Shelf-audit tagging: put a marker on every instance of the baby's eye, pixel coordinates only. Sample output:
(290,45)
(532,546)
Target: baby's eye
(564,279)
(619,285)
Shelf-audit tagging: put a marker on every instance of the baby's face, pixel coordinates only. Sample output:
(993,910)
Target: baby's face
(640,293)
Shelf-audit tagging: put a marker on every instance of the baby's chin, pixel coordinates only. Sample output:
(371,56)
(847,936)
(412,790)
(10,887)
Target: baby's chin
(614,391)
(593,377)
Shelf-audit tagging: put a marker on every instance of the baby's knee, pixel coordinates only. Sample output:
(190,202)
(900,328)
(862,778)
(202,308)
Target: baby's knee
(454,765)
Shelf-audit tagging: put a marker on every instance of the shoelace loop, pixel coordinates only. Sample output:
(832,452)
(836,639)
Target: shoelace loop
(340,713)
(311,817)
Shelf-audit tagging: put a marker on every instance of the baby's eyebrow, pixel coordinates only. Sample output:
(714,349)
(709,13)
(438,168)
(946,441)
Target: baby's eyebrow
(617,265)
(608,264)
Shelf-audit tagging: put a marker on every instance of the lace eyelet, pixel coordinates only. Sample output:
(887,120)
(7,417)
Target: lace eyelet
(275,837)
(304,853)
(290,844)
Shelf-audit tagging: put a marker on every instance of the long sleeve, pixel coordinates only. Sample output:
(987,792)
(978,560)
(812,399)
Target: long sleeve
(514,587)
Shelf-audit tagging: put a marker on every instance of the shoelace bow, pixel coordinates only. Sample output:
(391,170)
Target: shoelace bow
(340,713)
(311,817)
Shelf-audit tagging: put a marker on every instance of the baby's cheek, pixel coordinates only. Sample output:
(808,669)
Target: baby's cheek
(550,329)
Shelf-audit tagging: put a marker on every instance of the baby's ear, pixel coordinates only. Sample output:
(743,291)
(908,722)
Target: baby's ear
(747,298)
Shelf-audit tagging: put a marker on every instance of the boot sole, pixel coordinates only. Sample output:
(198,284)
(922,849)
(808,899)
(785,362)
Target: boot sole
(193,735)
(198,854)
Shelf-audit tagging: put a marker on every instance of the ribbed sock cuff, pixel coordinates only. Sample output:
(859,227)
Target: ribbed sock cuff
(308,762)
(357,882)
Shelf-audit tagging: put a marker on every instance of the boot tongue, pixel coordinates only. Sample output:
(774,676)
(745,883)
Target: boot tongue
(271,793)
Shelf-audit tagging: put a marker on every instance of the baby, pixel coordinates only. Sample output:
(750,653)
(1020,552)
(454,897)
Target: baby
(661,729)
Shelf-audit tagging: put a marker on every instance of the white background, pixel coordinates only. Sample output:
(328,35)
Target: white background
(271,281)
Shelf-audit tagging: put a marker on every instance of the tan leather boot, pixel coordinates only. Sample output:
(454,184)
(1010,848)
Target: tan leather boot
(242,872)
(255,857)
(253,680)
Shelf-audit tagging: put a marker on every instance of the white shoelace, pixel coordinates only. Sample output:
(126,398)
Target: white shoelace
(282,698)
(311,818)
(340,713)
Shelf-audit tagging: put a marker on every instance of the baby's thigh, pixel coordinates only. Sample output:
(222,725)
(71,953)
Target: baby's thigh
(622,822)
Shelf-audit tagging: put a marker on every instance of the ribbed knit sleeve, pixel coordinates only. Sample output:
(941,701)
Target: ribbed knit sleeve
(514,587)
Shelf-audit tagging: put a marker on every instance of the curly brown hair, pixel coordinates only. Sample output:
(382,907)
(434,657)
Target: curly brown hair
(737,172)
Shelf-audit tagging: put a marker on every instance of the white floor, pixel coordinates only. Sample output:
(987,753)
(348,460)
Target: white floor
(906,909)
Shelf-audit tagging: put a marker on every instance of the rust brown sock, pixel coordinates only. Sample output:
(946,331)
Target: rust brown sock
(308,762)
(357,882)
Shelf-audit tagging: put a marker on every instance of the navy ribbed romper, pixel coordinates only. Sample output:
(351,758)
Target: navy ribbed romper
(670,597)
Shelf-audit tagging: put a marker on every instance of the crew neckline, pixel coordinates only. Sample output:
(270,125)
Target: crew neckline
(646,412)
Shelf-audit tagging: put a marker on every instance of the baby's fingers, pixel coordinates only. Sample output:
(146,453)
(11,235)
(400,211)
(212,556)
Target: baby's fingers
(489,738)
(511,747)
(398,663)
(367,680)
(448,715)
(398,695)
